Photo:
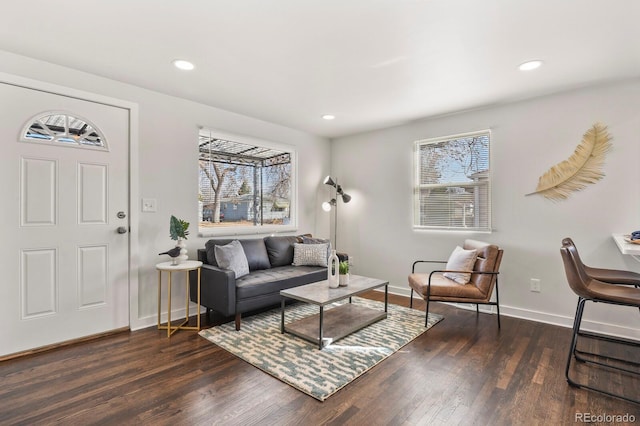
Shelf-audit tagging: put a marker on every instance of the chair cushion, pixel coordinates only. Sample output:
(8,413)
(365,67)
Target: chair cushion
(232,257)
(444,287)
(310,254)
(461,260)
(489,259)
(616,293)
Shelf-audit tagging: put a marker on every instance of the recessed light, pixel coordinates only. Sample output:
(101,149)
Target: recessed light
(183,65)
(328,117)
(530,65)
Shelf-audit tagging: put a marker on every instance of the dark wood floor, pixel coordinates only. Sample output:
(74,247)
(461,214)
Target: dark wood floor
(462,371)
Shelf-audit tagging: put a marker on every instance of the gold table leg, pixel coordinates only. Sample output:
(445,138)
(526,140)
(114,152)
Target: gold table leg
(169,306)
(197,327)
(159,296)
(173,328)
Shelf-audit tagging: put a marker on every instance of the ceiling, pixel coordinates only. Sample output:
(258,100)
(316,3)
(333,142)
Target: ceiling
(371,63)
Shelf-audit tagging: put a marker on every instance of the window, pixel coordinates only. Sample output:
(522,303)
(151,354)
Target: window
(243,184)
(453,183)
(63,129)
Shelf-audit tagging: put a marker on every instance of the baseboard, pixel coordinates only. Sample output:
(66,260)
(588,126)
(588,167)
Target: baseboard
(567,321)
(505,310)
(152,320)
(538,316)
(66,343)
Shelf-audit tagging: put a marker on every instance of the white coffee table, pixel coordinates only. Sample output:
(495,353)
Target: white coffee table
(338,322)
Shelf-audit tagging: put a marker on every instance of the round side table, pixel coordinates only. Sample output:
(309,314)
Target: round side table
(169,267)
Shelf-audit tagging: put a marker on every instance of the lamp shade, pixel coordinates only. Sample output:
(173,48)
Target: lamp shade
(327,206)
(329,181)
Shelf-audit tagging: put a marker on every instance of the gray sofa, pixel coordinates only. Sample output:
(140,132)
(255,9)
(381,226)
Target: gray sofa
(270,270)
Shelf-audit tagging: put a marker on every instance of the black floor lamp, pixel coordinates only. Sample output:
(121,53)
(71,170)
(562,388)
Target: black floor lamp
(333,203)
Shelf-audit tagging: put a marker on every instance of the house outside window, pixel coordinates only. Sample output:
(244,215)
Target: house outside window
(245,185)
(452,185)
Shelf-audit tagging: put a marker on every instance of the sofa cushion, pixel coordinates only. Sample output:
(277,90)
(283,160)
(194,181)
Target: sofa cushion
(256,253)
(232,257)
(280,249)
(254,250)
(273,280)
(310,254)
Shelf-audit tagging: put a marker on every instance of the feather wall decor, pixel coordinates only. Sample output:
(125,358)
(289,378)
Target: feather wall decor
(582,168)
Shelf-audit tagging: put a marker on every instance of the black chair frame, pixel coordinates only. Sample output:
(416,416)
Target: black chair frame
(597,359)
(426,321)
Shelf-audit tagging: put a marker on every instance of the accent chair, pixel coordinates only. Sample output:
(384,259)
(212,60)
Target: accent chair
(470,275)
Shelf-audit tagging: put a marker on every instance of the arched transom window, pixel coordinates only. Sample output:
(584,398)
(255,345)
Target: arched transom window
(63,129)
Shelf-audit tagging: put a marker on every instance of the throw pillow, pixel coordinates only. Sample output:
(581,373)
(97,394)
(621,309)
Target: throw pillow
(311,240)
(232,257)
(254,249)
(461,260)
(210,247)
(310,254)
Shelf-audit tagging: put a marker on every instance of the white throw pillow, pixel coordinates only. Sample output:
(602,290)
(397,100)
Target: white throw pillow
(311,240)
(310,254)
(231,256)
(461,260)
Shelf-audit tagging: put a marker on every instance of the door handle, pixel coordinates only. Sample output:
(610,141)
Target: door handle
(122,230)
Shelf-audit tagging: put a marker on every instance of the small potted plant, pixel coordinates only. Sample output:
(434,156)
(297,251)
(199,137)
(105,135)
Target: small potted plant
(178,231)
(178,228)
(343,268)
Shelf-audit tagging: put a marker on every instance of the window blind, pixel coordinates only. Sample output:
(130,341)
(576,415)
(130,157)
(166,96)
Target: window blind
(453,182)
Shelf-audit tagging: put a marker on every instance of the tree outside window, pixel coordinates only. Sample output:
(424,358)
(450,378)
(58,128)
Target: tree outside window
(243,183)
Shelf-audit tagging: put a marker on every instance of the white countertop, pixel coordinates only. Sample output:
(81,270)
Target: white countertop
(625,247)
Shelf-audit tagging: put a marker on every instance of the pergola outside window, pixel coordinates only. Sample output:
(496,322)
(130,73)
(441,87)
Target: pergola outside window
(243,185)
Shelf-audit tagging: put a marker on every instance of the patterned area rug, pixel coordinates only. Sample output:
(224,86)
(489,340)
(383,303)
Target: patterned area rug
(319,373)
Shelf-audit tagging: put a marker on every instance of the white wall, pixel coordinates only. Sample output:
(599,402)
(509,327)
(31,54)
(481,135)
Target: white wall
(167,169)
(528,137)
(376,169)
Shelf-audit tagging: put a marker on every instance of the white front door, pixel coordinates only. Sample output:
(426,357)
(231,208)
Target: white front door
(65,267)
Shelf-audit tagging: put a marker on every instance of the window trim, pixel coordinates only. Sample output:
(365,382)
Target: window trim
(293,203)
(417,186)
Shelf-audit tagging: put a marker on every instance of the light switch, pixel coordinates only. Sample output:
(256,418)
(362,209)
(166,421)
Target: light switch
(149,205)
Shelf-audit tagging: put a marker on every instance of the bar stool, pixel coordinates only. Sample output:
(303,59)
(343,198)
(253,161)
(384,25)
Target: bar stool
(590,289)
(612,276)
